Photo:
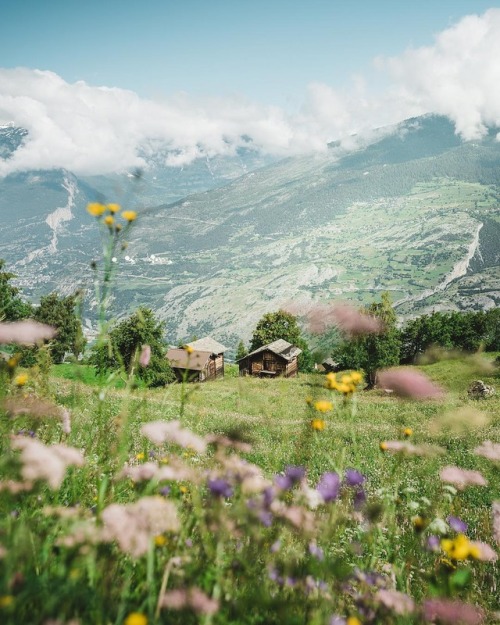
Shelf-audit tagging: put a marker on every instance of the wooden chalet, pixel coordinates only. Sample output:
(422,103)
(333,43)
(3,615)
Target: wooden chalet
(277,358)
(205,361)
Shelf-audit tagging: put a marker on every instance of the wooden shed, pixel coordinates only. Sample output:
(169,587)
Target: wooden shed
(277,358)
(205,360)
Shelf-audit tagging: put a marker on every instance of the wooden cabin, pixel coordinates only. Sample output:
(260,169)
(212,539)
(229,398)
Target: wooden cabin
(204,362)
(277,358)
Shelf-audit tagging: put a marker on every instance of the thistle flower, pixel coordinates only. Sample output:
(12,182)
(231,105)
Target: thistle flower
(329,486)
(291,477)
(461,477)
(353,478)
(26,332)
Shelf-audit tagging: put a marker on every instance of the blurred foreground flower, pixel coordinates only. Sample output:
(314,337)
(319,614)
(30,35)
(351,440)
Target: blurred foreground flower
(136,618)
(450,612)
(461,477)
(191,598)
(41,462)
(145,356)
(38,408)
(132,526)
(495,512)
(159,432)
(398,602)
(26,332)
(489,450)
(412,450)
(409,383)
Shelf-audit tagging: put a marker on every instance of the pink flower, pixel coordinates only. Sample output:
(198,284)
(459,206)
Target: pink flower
(461,477)
(411,450)
(159,432)
(145,356)
(489,450)
(192,598)
(39,408)
(396,601)
(353,322)
(495,512)
(450,612)
(27,332)
(408,383)
(41,462)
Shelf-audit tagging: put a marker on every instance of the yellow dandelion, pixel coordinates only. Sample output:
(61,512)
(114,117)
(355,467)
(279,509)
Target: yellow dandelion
(407,432)
(352,620)
(188,349)
(383,446)
(21,379)
(160,540)
(183,489)
(129,215)
(113,208)
(13,361)
(318,424)
(109,220)
(164,460)
(459,548)
(345,388)
(136,618)
(6,601)
(323,405)
(140,456)
(357,377)
(346,379)
(331,381)
(96,209)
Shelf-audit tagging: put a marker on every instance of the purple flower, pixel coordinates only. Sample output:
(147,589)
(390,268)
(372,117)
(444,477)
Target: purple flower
(220,487)
(266,518)
(316,551)
(359,499)
(433,543)
(354,478)
(337,620)
(188,542)
(456,524)
(329,486)
(275,547)
(290,581)
(268,497)
(165,491)
(291,477)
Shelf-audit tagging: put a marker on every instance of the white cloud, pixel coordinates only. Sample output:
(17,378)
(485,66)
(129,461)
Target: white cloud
(90,129)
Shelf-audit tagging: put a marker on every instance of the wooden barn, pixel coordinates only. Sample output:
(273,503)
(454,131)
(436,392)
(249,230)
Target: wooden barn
(204,361)
(277,358)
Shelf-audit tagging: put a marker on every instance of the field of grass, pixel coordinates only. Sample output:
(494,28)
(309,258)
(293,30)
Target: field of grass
(292,560)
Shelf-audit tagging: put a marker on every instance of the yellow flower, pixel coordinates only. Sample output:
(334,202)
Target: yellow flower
(113,208)
(118,227)
(136,618)
(323,406)
(21,379)
(357,377)
(188,349)
(459,548)
(129,215)
(139,456)
(13,361)
(352,620)
(345,388)
(346,379)
(96,209)
(6,601)
(318,424)
(331,381)
(160,540)
(109,220)
(183,489)
(383,446)
(407,432)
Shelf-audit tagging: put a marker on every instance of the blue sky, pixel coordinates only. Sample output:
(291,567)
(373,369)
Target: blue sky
(97,84)
(266,50)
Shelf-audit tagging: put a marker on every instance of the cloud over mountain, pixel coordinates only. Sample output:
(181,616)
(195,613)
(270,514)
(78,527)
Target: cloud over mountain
(91,129)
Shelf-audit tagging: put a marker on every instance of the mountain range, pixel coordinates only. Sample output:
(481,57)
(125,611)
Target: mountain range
(222,241)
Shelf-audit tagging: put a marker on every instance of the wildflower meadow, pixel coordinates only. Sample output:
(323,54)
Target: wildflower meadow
(310,500)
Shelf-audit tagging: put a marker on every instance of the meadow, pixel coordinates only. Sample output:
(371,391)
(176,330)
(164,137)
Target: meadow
(247,500)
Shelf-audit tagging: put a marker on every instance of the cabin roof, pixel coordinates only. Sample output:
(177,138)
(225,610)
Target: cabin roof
(195,361)
(280,347)
(207,344)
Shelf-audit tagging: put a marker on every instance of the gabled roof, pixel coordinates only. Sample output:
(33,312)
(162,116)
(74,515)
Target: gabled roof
(280,347)
(195,361)
(207,344)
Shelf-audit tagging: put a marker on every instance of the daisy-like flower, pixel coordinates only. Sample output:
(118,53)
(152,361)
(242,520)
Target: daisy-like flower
(318,424)
(323,406)
(129,216)
(21,379)
(113,208)
(109,220)
(96,209)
